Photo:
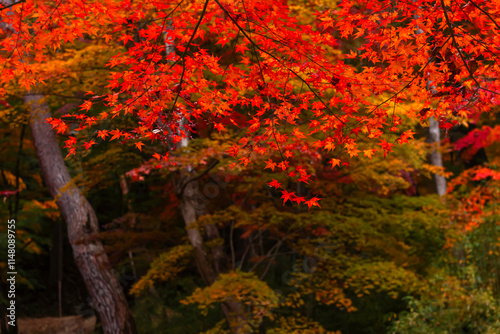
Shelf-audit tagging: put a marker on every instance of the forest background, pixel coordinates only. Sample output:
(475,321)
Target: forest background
(252,166)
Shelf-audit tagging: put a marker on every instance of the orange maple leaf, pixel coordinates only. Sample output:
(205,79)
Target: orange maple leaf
(335,162)
(270,164)
(139,145)
(313,202)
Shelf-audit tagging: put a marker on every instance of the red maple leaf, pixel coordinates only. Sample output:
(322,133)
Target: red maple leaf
(274,184)
(287,196)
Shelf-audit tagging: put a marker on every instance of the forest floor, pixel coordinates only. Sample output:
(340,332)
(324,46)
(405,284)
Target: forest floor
(65,325)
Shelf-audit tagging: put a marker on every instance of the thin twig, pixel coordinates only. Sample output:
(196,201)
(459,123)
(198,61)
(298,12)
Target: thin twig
(457,46)
(233,260)
(485,13)
(280,61)
(199,176)
(12,5)
(18,162)
(181,81)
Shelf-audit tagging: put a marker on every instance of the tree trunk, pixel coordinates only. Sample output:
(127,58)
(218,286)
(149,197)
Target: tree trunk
(190,207)
(435,139)
(436,157)
(103,286)
(132,221)
(237,317)
(193,205)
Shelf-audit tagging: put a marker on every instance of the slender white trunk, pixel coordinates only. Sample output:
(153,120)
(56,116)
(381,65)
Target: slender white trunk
(435,140)
(436,157)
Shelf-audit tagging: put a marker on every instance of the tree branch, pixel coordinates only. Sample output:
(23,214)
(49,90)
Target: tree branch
(181,81)
(485,13)
(280,61)
(457,46)
(11,5)
(199,176)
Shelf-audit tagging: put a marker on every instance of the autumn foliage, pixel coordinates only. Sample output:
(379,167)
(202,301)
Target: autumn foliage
(310,100)
(296,88)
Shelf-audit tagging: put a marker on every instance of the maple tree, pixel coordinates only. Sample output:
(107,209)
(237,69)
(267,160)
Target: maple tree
(268,85)
(275,77)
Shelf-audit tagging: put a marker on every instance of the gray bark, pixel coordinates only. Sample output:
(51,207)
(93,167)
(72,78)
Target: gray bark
(193,205)
(191,208)
(102,284)
(133,220)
